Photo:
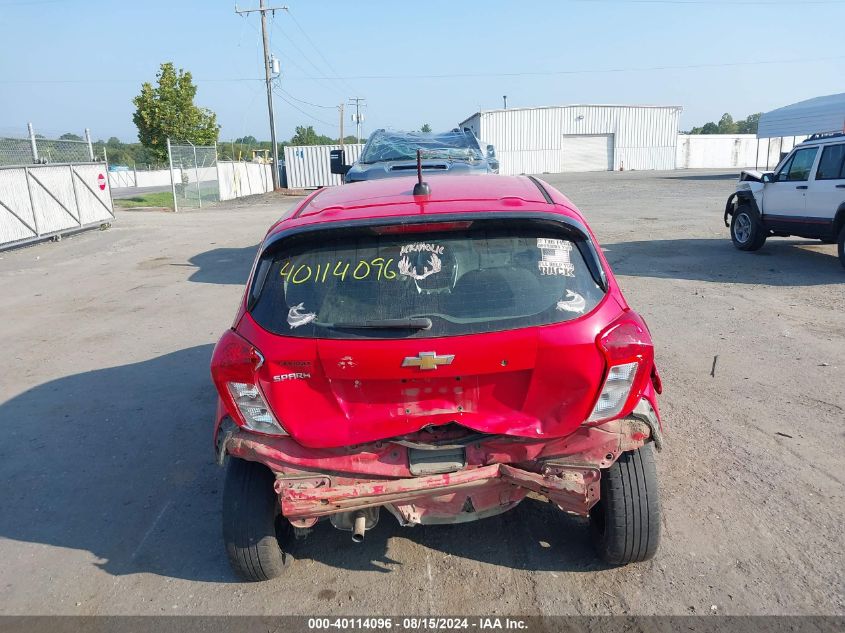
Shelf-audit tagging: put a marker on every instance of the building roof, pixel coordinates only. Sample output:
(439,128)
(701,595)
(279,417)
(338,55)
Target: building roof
(813,116)
(573,105)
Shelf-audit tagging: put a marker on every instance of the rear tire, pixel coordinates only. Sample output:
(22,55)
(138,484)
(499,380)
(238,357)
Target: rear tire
(625,523)
(252,522)
(747,233)
(841,249)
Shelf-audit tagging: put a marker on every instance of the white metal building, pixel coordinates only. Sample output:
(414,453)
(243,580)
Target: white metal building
(555,139)
(309,166)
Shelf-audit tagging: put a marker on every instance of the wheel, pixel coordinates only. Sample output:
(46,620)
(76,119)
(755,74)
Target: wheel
(253,525)
(746,232)
(625,523)
(841,242)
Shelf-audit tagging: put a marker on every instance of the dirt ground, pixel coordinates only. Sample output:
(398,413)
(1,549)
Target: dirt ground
(110,498)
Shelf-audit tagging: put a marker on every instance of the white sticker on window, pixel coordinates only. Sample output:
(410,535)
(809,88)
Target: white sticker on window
(434,266)
(573,303)
(554,257)
(421,247)
(297,317)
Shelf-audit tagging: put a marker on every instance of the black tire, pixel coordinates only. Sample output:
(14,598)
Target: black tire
(841,248)
(252,522)
(625,523)
(747,233)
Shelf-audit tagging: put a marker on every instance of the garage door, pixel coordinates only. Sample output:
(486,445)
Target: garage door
(588,153)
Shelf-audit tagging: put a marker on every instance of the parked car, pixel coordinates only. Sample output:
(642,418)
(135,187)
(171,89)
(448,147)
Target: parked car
(390,153)
(436,357)
(803,197)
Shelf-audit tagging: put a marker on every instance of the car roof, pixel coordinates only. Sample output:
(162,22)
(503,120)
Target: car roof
(393,197)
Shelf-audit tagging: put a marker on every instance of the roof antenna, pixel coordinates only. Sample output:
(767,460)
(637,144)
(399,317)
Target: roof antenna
(421,188)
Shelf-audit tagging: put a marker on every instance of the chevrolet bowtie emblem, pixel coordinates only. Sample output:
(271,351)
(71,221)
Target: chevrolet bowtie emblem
(428,360)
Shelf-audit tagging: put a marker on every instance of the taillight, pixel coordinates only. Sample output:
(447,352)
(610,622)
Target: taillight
(233,367)
(629,353)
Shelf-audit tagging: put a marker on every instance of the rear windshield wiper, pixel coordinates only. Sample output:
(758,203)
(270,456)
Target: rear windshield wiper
(413,323)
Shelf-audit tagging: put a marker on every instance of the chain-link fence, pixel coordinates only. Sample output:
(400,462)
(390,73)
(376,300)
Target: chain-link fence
(34,149)
(63,151)
(15,151)
(193,169)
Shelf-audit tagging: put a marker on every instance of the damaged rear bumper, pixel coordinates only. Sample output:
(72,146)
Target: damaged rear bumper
(496,474)
(573,488)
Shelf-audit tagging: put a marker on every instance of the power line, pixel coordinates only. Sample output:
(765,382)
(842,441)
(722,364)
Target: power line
(308,114)
(544,73)
(313,105)
(783,3)
(29,3)
(308,59)
(292,61)
(452,75)
(112,80)
(319,52)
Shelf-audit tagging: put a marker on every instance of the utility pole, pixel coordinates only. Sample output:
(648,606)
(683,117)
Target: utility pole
(340,107)
(268,77)
(357,101)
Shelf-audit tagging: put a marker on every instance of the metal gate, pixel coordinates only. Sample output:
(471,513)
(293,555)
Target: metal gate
(193,174)
(44,200)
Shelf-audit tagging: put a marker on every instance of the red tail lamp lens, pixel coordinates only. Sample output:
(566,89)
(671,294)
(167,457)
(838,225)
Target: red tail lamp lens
(422,227)
(625,341)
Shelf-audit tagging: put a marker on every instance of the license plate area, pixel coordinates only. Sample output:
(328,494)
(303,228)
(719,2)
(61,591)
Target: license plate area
(434,462)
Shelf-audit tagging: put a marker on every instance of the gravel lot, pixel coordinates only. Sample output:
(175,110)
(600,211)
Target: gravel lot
(110,499)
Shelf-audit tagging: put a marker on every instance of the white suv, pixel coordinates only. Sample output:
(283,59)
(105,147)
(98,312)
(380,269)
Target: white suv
(803,197)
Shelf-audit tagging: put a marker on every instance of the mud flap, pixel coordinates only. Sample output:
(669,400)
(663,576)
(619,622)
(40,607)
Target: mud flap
(729,209)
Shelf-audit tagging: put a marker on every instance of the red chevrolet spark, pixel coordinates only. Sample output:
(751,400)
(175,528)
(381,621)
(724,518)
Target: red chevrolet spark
(435,357)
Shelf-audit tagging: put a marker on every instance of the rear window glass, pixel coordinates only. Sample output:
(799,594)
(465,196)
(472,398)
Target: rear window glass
(463,282)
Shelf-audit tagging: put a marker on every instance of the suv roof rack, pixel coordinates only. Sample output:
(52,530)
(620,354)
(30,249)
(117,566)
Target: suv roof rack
(823,135)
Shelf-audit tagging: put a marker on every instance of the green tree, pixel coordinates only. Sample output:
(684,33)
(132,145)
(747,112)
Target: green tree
(726,124)
(246,140)
(749,124)
(69,136)
(426,128)
(304,136)
(168,110)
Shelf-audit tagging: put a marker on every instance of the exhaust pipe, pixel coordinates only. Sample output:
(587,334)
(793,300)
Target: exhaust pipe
(356,521)
(359,526)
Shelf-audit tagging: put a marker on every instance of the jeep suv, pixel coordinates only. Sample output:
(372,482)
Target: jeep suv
(803,197)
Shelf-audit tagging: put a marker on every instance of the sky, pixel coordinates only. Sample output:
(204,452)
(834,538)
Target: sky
(67,65)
